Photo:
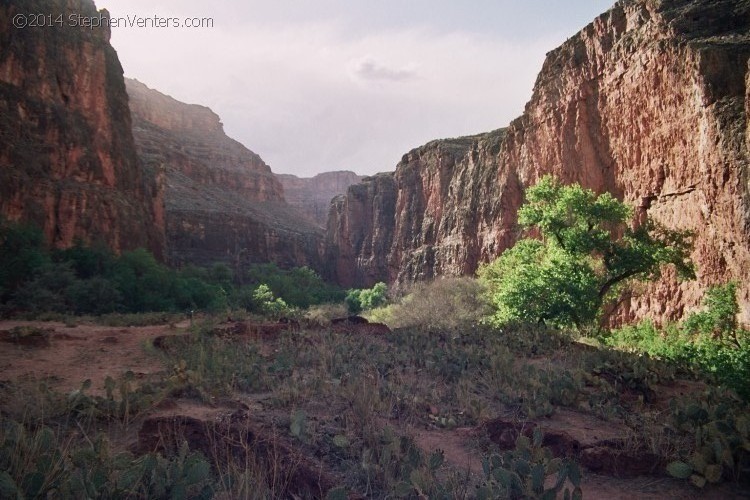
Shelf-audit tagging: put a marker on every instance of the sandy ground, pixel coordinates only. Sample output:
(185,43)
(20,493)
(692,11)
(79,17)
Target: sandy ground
(82,352)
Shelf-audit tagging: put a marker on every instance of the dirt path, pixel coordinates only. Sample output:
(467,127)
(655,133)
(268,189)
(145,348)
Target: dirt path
(458,452)
(82,352)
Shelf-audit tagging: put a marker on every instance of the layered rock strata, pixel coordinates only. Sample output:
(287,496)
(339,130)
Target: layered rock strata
(649,102)
(312,196)
(222,201)
(67,157)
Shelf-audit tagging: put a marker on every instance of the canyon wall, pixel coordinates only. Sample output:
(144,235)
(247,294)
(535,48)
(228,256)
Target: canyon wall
(67,157)
(312,196)
(649,102)
(222,201)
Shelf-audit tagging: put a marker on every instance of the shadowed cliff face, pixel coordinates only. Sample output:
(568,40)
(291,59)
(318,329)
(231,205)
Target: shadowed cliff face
(311,196)
(67,157)
(648,102)
(222,201)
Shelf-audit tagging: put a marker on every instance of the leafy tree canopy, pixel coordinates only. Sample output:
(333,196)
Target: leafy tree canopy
(358,300)
(586,253)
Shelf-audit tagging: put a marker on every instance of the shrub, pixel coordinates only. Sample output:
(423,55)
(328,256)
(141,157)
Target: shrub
(22,254)
(49,290)
(86,261)
(442,304)
(358,300)
(323,314)
(709,342)
(92,280)
(719,317)
(41,464)
(145,285)
(266,303)
(96,295)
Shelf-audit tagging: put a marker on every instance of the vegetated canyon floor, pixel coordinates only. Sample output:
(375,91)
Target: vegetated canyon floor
(350,381)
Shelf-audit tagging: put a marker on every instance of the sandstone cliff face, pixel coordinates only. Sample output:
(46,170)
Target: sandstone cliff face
(312,196)
(222,201)
(67,157)
(650,102)
(359,233)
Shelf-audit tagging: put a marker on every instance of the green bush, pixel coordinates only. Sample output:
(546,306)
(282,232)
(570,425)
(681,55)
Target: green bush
(443,304)
(41,464)
(96,295)
(719,317)
(87,261)
(266,303)
(358,300)
(709,342)
(22,255)
(48,290)
(92,280)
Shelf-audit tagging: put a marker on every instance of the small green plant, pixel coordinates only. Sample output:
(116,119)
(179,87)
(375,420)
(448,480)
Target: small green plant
(42,464)
(636,372)
(718,320)
(523,473)
(31,463)
(298,426)
(205,366)
(268,304)
(125,399)
(722,441)
(709,343)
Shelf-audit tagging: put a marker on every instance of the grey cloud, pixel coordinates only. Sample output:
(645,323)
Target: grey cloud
(371,70)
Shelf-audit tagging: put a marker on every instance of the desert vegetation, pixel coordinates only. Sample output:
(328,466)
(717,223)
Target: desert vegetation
(90,280)
(508,385)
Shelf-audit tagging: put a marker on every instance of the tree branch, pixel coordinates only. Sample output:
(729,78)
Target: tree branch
(616,279)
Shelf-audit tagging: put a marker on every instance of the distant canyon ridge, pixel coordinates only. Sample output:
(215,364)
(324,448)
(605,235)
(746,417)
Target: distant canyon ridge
(650,102)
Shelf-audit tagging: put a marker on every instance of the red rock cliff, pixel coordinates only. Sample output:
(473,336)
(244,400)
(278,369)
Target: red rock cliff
(650,102)
(312,195)
(223,203)
(67,157)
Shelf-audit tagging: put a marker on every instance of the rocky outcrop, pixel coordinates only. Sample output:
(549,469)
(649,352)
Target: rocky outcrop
(222,201)
(359,234)
(67,157)
(440,213)
(650,102)
(312,196)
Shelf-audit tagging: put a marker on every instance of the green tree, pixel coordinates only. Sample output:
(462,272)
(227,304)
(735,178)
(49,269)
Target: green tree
(145,285)
(87,261)
(718,319)
(265,302)
(48,290)
(586,254)
(96,295)
(299,287)
(358,300)
(22,255)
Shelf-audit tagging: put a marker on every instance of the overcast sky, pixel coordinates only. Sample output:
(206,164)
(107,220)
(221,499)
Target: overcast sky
(319,85)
